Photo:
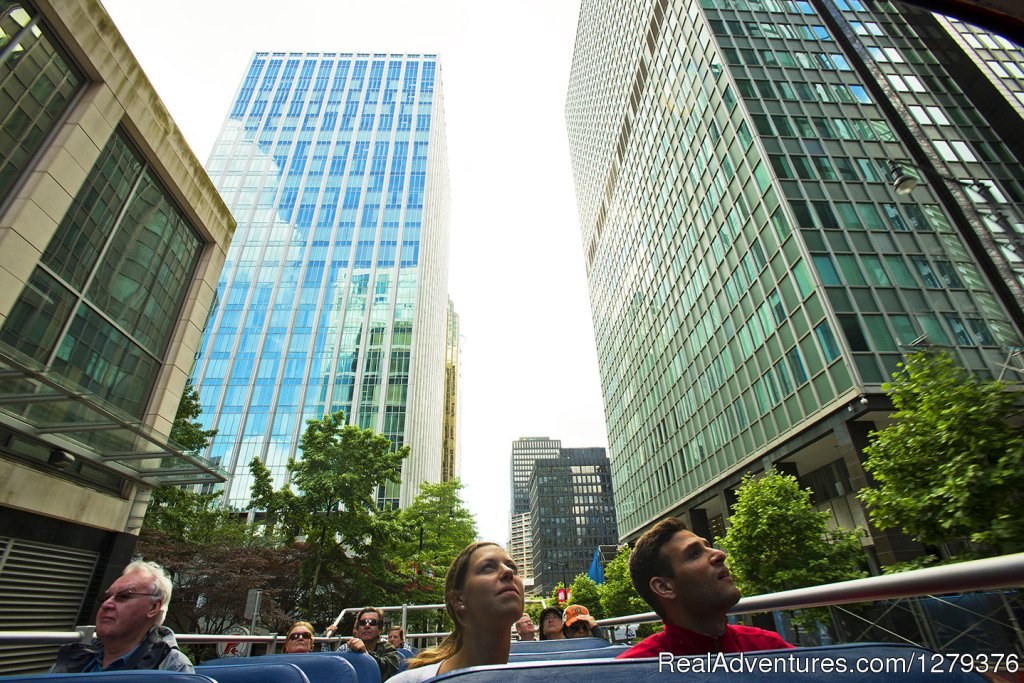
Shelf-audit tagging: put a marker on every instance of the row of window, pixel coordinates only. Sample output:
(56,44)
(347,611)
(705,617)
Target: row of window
(102,306)
(763,89)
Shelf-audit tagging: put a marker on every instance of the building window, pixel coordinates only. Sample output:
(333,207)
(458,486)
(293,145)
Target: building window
(101,306)
(37,83)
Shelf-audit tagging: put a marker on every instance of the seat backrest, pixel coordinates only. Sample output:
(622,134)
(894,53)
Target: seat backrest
(366,666)
(255,672)
(319,667)
(561,645)
(140,676)
(880,662)
(596,653)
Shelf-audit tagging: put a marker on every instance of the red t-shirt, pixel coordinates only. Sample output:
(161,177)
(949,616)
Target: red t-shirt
(681,641)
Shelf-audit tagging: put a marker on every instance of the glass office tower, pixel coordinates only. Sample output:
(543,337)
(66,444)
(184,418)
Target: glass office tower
(754,276)
(334,295)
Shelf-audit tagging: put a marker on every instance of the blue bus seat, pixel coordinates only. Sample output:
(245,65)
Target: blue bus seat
(562,645)
(319,667)
(905,663)
(135,676)
(596,653)
(256,672)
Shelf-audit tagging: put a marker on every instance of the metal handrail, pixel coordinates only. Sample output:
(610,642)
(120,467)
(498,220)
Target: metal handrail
(992,573)
(39,637)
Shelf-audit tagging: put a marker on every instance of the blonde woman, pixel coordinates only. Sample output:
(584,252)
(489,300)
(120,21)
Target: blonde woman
(483,594)
(299,638)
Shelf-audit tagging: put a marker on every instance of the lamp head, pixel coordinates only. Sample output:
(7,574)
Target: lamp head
(902,182)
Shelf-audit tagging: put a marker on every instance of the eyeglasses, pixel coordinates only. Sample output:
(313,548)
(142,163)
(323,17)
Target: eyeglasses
(368,622)
(299,634)
(121,597)
(580,628)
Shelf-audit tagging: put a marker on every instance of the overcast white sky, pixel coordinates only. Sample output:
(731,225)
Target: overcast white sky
(516,276)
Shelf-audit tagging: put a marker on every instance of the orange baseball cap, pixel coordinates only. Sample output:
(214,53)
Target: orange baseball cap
(573,613)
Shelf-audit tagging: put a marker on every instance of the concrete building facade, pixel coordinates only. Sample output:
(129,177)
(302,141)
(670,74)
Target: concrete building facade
(111,239)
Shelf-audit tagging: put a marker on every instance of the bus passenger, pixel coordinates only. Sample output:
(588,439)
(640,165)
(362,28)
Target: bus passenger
(483,594)
(686,582)
(299,638)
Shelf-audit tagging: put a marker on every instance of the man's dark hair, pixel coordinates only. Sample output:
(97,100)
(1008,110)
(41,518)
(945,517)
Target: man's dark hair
(647,559)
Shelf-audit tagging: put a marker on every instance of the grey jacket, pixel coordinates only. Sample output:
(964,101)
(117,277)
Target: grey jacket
(158,650)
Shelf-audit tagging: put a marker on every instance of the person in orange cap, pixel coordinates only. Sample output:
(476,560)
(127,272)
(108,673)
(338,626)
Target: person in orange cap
(578,622)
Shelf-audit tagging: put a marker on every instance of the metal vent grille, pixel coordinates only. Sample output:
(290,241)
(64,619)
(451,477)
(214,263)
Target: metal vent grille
(41,589)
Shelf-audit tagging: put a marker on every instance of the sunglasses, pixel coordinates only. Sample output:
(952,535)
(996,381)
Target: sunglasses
(297,635)
(121,597)
(580,628)
(368,622)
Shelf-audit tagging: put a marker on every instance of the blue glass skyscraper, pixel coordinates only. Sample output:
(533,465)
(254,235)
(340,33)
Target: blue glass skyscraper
(334,294)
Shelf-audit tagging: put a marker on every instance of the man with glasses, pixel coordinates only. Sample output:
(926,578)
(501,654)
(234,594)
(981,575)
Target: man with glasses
(366,638)
(129,634)
(578,622)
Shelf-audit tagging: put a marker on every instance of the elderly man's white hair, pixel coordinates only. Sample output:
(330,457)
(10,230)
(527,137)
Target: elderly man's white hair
(161,582)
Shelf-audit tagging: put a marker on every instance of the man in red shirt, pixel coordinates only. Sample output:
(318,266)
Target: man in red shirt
(686,582)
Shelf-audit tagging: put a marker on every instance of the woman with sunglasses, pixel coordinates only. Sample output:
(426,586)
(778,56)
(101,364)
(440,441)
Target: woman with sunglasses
(299,638)
(483,594)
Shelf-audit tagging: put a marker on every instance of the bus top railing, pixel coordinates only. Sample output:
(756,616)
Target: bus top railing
(1006,571)
(992,573)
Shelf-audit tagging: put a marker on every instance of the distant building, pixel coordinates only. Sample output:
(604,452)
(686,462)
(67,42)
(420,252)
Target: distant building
(111,239)
(520,547)
(335,292)
(450,464)
(525,452)
(571,514)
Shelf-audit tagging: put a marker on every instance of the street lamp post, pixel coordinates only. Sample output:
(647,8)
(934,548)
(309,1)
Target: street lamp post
(903,184)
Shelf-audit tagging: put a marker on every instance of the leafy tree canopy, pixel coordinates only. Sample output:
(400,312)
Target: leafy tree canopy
(587,593)
(186,431)
(437,526)
(618,596)
(189,517)
(776,541)
(950,465)
(351,542)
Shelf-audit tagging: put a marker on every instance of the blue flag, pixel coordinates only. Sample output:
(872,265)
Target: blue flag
(596,572)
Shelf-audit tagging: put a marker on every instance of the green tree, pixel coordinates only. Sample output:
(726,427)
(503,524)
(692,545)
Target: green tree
(183,513)
(437,526)
(585,592)
(281,515)
(350,541)
(186,431)
(618,596)
(190,517)
(950,464)
(776,541)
